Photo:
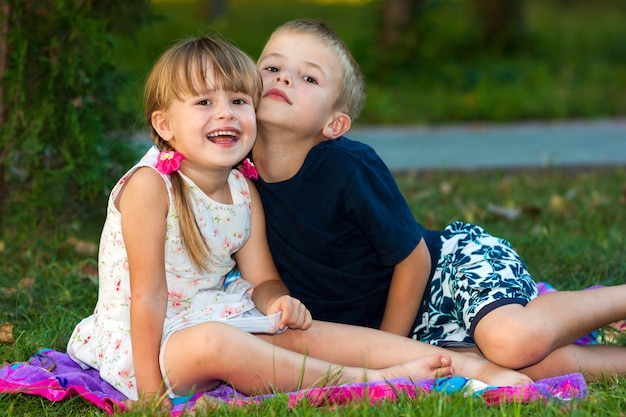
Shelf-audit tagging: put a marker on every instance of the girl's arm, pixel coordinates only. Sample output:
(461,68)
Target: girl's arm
(257,266)
(408,283)
(144,203)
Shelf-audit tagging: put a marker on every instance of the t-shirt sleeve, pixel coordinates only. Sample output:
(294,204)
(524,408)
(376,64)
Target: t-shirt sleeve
(375,204)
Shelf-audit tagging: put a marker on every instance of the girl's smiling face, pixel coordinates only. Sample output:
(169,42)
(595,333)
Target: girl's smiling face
(214,129)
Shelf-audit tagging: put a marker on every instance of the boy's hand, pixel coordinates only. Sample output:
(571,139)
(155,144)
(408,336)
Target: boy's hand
(294,314)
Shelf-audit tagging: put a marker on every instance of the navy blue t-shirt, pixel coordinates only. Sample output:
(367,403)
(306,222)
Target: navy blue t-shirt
(337,229)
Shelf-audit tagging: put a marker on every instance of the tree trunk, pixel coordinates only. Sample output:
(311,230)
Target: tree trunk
(5,10)
(5,13)
(397,17)
(502,20)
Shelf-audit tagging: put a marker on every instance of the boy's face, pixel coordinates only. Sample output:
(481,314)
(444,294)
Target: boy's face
(301,78)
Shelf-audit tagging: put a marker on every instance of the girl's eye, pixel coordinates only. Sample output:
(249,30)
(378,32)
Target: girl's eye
(309,79)
(271,69)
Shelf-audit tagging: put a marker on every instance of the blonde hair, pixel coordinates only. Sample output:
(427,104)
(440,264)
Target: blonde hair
(351,97)
(182,71)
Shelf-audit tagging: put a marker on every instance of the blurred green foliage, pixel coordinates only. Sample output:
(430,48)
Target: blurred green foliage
(63,133)
(73,84)
(569,63)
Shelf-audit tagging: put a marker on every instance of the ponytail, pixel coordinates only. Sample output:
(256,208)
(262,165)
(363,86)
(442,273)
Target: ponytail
(193,241)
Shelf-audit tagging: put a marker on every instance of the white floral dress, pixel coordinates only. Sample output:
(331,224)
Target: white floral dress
(102,340)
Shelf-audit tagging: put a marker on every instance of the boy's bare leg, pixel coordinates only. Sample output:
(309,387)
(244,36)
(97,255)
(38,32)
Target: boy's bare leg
(360,346)
(518,336)
(200,356)
(594,361)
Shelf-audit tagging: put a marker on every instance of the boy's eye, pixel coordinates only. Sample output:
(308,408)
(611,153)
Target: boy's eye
(204,102)
(239,101)
(309,79)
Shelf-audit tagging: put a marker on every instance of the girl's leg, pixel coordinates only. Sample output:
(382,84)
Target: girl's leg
(370,348)
(518,336)
(197,357)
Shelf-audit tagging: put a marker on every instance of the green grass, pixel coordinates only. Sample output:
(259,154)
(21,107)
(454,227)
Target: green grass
(572,224)
(571,63)
(571,230)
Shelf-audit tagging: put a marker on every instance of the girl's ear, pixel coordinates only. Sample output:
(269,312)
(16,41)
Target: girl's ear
(161,124)
(339,125)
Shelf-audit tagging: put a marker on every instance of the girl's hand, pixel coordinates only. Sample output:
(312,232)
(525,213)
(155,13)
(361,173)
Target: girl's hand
(294,314)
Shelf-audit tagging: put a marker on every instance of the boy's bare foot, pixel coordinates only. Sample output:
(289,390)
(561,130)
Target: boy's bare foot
(476,367)
(427,367)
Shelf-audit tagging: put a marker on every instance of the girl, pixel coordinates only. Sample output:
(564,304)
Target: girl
(167,320)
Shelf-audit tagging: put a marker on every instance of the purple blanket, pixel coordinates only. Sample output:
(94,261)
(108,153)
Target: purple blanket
(54,376)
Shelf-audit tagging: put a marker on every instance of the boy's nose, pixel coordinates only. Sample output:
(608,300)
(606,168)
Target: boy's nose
(282,77)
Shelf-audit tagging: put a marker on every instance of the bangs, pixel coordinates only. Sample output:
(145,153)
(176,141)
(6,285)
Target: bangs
(228,72)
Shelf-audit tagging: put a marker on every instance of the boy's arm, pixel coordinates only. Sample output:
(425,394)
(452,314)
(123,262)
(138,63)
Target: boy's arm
(406,291)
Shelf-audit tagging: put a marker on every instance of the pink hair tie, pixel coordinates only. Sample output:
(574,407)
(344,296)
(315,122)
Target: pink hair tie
(248,169)
(168,162)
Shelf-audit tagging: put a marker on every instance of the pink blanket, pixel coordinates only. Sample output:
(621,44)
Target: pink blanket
(54,376)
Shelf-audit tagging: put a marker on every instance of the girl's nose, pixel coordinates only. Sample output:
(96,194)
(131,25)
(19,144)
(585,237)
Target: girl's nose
(226,112)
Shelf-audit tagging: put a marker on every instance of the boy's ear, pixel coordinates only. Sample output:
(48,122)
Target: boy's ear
(161,124)
(339,125)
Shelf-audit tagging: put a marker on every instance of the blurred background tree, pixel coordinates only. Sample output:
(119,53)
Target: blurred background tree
(397,18)
(501,21)
(436,61)
(71,75)
(64,137)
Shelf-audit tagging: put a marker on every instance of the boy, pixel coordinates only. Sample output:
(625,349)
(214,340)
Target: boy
(347,245)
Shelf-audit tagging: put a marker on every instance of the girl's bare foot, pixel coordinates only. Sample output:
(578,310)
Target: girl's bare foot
(427,367)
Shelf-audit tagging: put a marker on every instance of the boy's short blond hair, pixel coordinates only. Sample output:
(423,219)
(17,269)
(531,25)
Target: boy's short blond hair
(351,95)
